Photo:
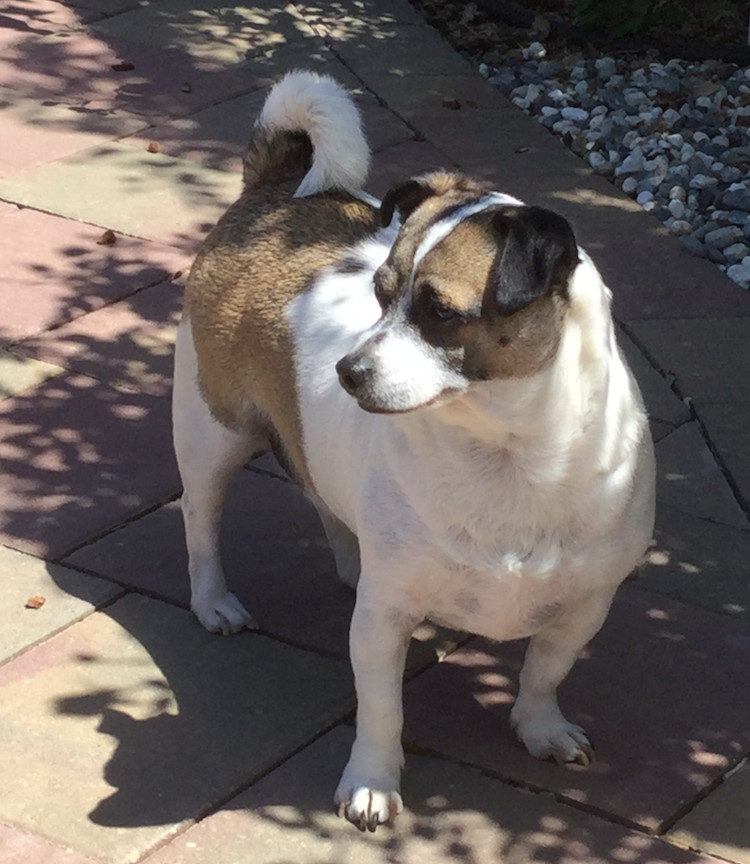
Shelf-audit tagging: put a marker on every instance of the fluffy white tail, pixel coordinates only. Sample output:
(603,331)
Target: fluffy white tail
(324,111)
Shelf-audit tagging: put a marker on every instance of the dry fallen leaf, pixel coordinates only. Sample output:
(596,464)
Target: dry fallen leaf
(36,602)
(107,239)
(153,147)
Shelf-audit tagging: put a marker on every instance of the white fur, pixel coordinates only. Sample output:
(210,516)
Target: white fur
(514,510)
(441,229)
(318,105)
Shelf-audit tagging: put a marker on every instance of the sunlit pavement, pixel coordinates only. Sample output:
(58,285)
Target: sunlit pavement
(127,733)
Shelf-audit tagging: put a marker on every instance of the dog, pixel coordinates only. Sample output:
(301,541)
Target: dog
(440,373)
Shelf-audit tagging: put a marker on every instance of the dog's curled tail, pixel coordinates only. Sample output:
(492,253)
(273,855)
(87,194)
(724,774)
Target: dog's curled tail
(308,123)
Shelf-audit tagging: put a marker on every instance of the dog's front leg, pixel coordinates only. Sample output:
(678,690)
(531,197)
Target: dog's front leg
(368,793)
(536,716)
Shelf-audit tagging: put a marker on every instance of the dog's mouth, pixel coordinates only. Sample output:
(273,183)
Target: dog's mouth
(442,398)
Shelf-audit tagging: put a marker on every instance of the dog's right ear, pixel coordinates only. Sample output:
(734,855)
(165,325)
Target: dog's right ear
(405,197)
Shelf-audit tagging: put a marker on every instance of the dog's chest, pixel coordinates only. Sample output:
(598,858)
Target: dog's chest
(505,604)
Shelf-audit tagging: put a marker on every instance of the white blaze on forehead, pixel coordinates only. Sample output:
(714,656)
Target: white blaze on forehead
(441,229)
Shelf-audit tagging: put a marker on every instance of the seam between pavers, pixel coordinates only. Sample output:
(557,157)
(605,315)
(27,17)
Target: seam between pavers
(689,806)
(534,789)
(73,621)
(57,325)
(672,379)
(94,538)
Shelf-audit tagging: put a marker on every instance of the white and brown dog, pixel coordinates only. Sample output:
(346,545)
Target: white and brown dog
(449,392)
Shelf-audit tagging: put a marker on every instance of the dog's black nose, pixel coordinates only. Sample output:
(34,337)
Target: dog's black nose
(354,371)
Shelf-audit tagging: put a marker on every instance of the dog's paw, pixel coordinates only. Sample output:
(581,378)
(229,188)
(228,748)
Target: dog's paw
(367,807)
(223,614)
(560,740)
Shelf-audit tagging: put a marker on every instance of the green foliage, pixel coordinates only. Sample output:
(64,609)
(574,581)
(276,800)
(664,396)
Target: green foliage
(622,17)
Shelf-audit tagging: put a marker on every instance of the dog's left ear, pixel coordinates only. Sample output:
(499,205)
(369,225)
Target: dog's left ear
(405,197)
(538,253)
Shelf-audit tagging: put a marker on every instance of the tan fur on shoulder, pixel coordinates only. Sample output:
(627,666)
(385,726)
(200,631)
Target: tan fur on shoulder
(257,258)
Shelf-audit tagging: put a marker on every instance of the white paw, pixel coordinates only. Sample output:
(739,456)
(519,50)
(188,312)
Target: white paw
(368,807)
(559,740)
(223,614)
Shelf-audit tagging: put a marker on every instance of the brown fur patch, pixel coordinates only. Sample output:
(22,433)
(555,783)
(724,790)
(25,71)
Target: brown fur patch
(259,256)
(458,274)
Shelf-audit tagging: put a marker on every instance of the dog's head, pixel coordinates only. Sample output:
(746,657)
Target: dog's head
(475,288)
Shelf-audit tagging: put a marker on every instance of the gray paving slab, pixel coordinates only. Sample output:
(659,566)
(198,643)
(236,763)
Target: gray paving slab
(689,480)
(67,597)
(408,159)
(728,427)
(141,194)
(451,814)
(203,31)
(708,357)
(352,17)
(129,724)
(55,270)
(217,137)
(720,825)
(129,343)
(395,49)
(699,561)
(18,373)
(79,457)
(659,690)
(663,406)
(36,131)
(276,558)
(98,74)
(25,847)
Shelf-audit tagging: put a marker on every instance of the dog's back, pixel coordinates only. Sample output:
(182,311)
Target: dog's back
(307,142)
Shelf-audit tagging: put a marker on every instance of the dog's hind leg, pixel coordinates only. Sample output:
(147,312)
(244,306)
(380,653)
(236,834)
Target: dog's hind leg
(208,456)
(536,716)
(344,545)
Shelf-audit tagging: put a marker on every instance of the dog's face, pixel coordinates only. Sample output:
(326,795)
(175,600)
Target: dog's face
(474,289)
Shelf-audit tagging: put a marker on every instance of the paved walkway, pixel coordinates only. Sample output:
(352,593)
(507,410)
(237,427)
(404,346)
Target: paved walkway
(129,734)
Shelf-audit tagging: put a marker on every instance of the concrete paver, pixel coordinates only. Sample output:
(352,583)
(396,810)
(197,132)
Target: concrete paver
(135,192)
(728,426)
(132,723)
(36,132)
(25,847)
(708,357)
(22,373)
(68,596)
(452,814)
(205,32)
(56,270)
(651,762)
(689,479)
(111,741)
(720,825)
(129,343)
(699,561)
(276,560)
(79,457)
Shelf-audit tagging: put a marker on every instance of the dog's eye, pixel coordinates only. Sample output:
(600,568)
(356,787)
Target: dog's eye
(445,314)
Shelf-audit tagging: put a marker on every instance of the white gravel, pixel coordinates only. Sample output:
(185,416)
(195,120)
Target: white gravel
(672,135)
